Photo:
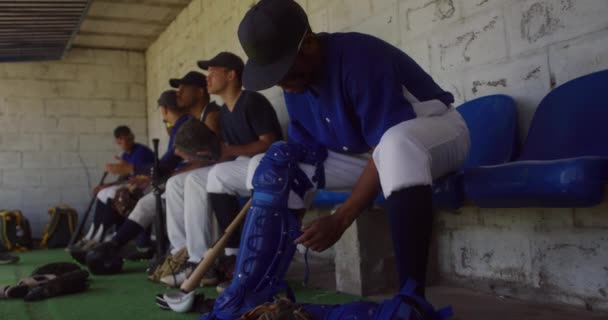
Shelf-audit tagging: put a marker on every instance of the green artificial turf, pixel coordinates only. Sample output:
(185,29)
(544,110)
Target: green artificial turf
(125,296)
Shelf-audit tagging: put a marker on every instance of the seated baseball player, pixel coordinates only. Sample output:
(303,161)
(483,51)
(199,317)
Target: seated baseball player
(249,125)
(134,159)
(363,115)
(144,212)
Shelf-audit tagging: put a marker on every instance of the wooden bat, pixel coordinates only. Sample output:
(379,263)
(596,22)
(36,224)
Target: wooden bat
(197,275)
(80,225)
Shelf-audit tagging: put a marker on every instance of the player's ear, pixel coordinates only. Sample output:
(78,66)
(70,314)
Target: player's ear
(310,44)
(231,75)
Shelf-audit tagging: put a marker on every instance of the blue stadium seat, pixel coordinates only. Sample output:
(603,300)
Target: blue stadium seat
(564,162)
(492,122)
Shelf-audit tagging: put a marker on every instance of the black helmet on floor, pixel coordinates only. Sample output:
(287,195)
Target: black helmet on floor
(104,259)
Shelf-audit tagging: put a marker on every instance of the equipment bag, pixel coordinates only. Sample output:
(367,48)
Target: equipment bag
(61,226)
(15,232)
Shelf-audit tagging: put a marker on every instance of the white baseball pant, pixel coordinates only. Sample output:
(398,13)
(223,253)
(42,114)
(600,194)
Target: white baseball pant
(410,153)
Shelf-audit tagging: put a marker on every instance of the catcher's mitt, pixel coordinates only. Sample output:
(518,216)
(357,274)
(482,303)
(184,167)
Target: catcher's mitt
(194,136)
(280,309)
(56,268)
(168,266)
(126,198)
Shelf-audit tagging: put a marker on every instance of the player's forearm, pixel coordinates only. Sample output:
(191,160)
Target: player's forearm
(248,150)
(190,166)
(363,194)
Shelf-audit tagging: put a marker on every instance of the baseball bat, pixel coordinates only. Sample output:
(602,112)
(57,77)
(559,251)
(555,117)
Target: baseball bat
(161,239)
(78,229)
(197,275)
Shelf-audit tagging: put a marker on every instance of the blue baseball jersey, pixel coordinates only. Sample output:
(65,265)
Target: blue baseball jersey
(359,93)
(170,161)
(141,157)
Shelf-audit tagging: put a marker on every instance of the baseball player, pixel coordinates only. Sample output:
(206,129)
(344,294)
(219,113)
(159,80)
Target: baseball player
(134,158)
(363,115)
(249,125)
(144,212)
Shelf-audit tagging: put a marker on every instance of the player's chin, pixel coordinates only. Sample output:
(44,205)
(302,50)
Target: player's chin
(295,89)
(294,86)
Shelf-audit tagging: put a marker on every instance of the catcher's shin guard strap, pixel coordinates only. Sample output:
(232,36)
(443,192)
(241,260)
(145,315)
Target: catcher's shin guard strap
(407,305)
(404,306)
(352,311)
(267,242)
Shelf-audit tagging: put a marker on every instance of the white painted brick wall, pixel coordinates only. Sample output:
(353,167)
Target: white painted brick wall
(550,254)
(384,25)
(421,16)
(526,79)
(574,58)
(10,160)
(534,24)
(57,118)
(471,42)
(41,160)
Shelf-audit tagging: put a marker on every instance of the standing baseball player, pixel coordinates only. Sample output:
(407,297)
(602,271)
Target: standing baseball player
(363,115)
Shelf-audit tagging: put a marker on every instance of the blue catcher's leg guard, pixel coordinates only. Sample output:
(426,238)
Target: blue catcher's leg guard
(404,306)
(267,242)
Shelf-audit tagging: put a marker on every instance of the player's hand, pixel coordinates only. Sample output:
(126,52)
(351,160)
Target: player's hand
(140,181)
(99,188)
(223,156)
(119,168)
(184,155)
(323,232)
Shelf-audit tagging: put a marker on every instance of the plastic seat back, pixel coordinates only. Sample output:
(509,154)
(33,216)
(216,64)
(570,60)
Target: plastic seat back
(571,121)
(492,122)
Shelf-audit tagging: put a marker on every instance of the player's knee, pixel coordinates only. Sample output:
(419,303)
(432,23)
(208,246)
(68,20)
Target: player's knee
(193,180)
(215,184)
(254,162)
(400,138)
(173,183)
(253,165)
(103,195)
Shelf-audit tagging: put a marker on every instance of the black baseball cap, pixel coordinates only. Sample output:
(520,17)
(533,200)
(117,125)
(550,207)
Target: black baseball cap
(168,99)
(122,131)
(224,59)
(191,78)
(271,33)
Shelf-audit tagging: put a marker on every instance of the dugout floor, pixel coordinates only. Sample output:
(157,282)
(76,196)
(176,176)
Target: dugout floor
(131,296)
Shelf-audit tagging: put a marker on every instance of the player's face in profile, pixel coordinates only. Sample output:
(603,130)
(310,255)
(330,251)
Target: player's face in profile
(123,143)
(186,96)
(217,79)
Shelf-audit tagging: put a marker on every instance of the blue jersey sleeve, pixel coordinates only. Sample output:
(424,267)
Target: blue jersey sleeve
(376,74)
(169,160)
(141,160)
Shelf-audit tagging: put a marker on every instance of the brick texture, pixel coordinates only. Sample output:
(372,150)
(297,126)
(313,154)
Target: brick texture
(56,122)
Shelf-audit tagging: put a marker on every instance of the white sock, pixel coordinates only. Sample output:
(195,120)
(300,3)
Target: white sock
(231,251)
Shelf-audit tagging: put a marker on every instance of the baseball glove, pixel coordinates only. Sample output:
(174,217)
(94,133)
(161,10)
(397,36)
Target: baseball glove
(194,137)
(126,198)
(280,309)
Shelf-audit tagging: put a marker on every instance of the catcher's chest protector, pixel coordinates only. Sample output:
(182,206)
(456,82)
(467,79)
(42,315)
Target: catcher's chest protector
(15,233)
(59,230)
